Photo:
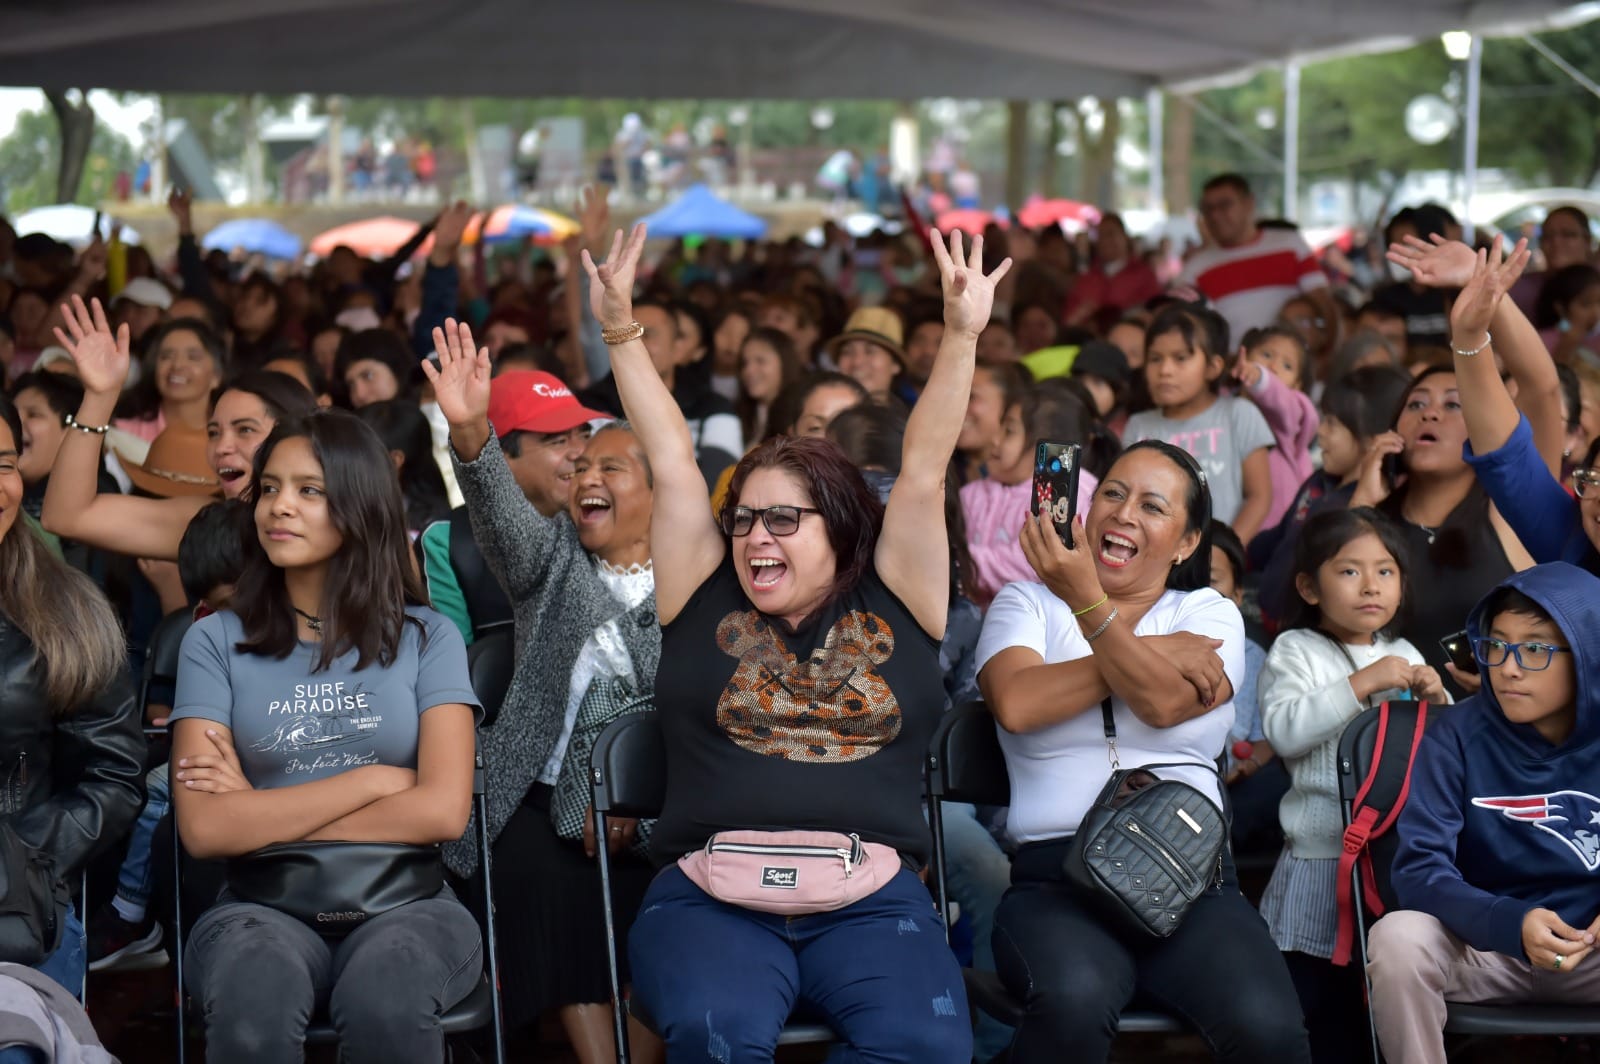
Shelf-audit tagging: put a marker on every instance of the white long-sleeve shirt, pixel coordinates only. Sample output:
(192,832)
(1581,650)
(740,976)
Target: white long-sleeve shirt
(1306,702)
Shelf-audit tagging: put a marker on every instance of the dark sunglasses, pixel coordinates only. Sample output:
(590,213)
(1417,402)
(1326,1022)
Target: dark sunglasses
(780,520)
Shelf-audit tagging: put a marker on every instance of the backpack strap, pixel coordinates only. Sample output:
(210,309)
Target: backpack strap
(1376,807)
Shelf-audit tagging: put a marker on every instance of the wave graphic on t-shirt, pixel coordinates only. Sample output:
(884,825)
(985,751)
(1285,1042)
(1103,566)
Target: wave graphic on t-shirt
(311,731)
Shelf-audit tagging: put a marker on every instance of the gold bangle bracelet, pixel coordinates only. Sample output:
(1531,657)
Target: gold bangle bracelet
(622,334)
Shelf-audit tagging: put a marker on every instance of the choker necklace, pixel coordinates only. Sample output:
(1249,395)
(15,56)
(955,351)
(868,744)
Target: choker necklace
(314,623)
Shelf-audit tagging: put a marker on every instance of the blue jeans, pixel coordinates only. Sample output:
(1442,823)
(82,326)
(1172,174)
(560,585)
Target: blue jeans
(977,873)
(70,962)
(136,876)
(719,982)
(22,1055)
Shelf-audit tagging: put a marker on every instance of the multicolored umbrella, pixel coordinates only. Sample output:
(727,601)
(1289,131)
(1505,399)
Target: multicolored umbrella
(518,221)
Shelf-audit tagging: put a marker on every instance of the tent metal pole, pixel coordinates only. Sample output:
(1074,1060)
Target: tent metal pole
(1291,139)
(1153,101)
(1561,64)
(1469,161)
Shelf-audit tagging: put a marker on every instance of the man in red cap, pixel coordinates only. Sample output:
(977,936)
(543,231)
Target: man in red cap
(542,428)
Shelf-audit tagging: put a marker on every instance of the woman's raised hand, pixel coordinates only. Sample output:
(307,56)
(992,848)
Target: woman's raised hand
(1493,274)
(611,282)
(461,381)
(968,292)
(1436,263)
(101,356)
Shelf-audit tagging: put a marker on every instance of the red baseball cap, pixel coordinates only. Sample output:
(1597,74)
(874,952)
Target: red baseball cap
(528,400)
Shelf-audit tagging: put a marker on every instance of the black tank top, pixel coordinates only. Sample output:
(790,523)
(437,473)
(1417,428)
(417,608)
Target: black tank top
(1451,567)
(823,729)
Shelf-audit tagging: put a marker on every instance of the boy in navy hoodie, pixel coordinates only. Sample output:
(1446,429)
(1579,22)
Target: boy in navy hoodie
(1498,869)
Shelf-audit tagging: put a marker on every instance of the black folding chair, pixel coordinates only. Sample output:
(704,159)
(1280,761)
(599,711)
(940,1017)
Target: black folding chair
(629,772)
(161,656)
(965,764)
(491,661)
(1357,748)
(477,1010)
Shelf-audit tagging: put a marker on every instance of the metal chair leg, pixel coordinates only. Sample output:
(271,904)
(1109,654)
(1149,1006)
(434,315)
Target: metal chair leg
(618,1007)
(177,937)
(490,940)
(942,890)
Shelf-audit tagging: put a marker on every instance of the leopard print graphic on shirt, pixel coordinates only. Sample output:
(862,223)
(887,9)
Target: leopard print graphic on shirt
(832,708)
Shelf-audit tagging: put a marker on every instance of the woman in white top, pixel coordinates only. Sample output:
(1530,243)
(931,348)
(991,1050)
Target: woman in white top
(1125,613)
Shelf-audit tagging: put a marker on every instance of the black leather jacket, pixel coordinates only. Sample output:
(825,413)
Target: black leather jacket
(70,784)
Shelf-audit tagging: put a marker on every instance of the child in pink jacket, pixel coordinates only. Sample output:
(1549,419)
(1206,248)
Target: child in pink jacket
(996,506)
(1275,370)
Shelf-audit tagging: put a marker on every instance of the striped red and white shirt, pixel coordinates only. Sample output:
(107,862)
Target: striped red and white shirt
(1250,283)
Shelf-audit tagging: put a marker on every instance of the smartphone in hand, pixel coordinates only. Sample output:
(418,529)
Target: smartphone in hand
(1055,484)
(1459,648)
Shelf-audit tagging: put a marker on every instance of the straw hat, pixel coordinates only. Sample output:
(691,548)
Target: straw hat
(176,465)
(880,325)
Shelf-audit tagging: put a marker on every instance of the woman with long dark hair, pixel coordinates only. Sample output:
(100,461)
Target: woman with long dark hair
(242,414)
(1124,616)
(330,705)
(798,687)
(71,752)
(1460,545)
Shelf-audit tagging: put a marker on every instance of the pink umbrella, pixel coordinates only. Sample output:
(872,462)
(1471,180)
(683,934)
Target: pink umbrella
(1038,213)
(371,237)
(966,219)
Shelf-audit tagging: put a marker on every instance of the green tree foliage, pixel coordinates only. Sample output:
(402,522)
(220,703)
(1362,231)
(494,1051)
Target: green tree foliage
(218,121)
(30,157)
(1536,122)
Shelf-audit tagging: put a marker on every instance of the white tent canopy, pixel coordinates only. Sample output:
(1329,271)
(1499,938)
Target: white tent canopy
(906,49)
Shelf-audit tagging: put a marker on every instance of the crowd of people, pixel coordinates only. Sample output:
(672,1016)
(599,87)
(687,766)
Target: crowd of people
(785,497)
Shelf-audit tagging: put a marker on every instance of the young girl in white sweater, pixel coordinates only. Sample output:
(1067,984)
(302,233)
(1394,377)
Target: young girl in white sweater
(1336,658)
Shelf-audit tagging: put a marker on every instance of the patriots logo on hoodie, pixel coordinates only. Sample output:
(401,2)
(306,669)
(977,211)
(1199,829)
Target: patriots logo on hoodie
(1571,816)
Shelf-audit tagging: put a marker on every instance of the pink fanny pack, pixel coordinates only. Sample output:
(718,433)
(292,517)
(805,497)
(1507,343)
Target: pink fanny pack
(790,872)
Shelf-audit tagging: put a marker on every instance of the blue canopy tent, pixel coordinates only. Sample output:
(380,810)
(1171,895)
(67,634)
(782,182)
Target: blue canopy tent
(698,212)
(258,236)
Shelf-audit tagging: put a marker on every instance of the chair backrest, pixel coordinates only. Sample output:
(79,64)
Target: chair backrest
(628,767)
(162,654)
(1358,751)
(491,661)
(965,763)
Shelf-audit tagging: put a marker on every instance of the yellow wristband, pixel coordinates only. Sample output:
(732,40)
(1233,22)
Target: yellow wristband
(1091,609)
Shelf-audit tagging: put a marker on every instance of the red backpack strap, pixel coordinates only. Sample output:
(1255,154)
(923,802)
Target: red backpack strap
(1355,845)
(1367,823)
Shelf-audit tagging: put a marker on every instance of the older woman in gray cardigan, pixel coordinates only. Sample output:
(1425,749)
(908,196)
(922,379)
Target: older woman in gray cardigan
(583,593)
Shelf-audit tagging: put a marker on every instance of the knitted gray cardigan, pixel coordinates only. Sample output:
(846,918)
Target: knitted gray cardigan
(558,601)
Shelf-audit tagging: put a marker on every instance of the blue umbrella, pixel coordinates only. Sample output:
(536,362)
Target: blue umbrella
(698,212)
(259,236)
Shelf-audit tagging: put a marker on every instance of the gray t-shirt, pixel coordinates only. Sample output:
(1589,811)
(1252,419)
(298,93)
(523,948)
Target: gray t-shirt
(1220,438)
(291,725)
